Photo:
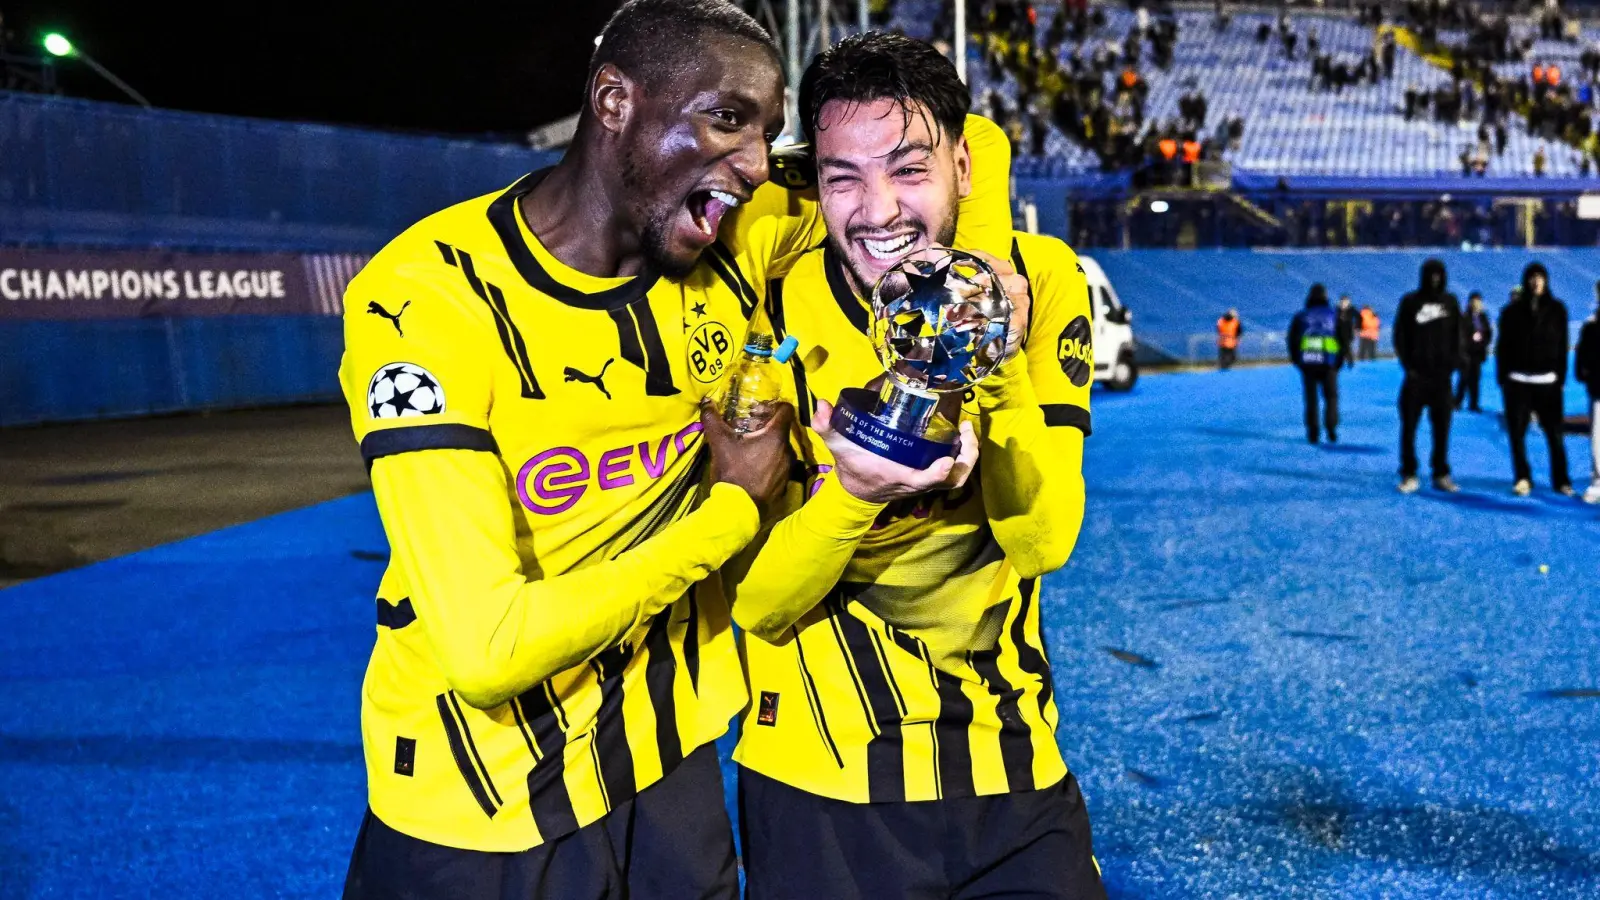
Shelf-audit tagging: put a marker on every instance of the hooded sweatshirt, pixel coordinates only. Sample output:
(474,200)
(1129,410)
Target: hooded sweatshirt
(1532,348)
(1314,333)
(1427,328)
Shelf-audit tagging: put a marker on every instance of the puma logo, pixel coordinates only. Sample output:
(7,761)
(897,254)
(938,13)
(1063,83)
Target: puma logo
(598,381)
(374,309)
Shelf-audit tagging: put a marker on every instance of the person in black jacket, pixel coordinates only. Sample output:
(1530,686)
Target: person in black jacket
(1427,340)
(1587,365)
(1531,366)
(1476,333)
(1347,330)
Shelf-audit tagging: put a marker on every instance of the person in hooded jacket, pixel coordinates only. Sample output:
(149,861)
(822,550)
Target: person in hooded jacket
(1347,329)
(1476,335)
(1586,362)
(1317,349)
(1531,367)
(1427,341)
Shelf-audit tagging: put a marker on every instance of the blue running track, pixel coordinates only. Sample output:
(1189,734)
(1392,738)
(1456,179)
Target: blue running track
(1277,677)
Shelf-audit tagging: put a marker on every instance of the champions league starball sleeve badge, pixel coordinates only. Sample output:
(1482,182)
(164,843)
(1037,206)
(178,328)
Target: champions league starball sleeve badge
(940,324)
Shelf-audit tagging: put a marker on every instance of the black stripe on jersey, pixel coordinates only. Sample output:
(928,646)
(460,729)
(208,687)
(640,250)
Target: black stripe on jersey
(1030,658)
(691,643)
(954,732)
(640,342)
(548,798)
(727,268)
(888,672)
(510,338)
(780,330)
(886,762)
(394,441)
(472,748)
(395,616)
(458,749)
(815,701)
(1061,414)
(1016,743)
(843,294)
(503,215)
(660,671)
(1022,269)
(614,755)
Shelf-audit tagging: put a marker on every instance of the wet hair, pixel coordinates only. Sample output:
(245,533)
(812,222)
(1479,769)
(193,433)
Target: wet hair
(877,65)
(656,41)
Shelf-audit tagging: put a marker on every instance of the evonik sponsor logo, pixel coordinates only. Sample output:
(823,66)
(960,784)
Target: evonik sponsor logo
(554,480)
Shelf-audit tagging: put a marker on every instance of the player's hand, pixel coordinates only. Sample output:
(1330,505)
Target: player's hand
(757,462)
(1016,287)
(868,476)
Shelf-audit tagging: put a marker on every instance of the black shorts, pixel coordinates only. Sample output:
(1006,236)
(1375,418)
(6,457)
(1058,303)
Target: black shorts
(671,841)
(1025,844)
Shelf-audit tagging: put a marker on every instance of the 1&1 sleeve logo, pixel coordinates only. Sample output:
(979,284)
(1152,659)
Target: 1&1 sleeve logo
(404,389)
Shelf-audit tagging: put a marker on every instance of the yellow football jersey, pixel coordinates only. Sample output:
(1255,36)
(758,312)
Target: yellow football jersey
(922,672)
(532,434)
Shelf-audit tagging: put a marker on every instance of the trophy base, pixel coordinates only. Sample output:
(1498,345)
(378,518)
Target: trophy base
(853,418)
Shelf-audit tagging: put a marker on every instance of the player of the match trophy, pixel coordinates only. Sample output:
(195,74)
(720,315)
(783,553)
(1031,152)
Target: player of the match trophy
(940,320)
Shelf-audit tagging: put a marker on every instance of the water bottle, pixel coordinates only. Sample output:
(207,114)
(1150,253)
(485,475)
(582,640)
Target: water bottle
(753,388)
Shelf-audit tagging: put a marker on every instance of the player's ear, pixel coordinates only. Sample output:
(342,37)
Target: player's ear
(612,95)
(963,156)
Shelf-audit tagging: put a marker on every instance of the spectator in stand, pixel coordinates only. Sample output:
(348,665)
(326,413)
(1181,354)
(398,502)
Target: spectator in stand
(1540,159)
(1229,330)
(1347,330)
(1427,340)
(1477,334)
(1587,370)
(1316,350)
(1531,367)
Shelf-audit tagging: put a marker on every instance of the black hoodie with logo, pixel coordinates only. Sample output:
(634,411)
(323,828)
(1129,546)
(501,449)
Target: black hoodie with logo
(1427,329)
(1532,348)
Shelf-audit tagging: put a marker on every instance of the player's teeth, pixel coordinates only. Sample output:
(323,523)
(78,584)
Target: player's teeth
(728,199)
(888,249)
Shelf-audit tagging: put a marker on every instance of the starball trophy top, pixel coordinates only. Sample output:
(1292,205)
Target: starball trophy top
(940,321)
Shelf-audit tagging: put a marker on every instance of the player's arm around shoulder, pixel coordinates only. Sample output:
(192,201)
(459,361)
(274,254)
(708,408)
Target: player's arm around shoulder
(1034,415)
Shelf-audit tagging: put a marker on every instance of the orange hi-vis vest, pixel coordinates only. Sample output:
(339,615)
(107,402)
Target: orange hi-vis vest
(1538,75)
(1554,75)
(1228,333)
(1369,325)
(1191,151)
(1168,148)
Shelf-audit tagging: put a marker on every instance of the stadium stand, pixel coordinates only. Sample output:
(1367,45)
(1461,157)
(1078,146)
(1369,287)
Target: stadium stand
(1292,127)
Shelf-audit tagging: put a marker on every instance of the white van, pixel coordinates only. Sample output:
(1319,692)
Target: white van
(1114,364)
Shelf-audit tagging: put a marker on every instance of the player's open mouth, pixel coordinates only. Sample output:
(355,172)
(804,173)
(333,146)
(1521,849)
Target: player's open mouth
(707,208)
(889,249)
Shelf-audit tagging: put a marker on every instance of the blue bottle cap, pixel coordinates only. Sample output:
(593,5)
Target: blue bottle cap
(785,349)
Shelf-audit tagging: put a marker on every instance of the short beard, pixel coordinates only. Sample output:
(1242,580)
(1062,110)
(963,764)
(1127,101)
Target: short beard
(943,236)
(656,224)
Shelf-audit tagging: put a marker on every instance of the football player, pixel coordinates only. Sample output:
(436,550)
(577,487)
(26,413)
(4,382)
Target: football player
(550,671)
(900,742)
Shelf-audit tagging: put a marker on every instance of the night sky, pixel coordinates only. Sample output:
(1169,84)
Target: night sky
(467,67)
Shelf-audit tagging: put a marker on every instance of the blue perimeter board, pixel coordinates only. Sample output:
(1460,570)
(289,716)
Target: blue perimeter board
(1319,687)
